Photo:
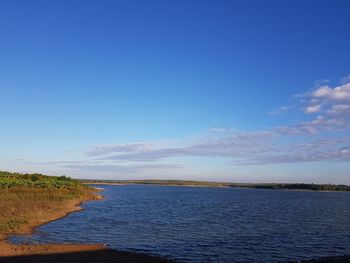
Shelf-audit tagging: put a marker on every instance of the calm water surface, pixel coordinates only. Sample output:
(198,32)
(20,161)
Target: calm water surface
(192,224)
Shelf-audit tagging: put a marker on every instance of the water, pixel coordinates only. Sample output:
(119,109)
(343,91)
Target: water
(194,224)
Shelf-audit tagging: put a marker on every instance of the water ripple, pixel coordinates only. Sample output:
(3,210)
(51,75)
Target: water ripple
(210,224)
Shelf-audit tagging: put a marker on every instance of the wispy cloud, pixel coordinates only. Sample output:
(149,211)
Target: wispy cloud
(317,125)
(248,148)
(112,168)
(335,149)
(339,109)
(232,143)
(138,146)
(322,135)
(294,142)
(281,110)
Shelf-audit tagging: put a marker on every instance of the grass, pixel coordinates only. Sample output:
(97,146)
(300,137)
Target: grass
(26,199)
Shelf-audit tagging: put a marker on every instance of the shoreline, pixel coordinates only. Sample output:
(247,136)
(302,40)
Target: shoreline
(70,253)
(70,206)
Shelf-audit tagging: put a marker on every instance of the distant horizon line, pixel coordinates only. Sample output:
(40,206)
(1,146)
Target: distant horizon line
(179,180)
(145,181)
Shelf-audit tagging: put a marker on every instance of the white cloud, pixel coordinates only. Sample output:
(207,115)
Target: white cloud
(339,109)
(313,109)
(332,106)
(340,93)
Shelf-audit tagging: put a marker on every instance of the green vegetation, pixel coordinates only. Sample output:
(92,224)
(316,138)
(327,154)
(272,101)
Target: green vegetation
(274,186)
(29,199)
(8,180)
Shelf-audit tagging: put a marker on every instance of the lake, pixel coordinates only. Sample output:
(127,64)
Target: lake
(198,224)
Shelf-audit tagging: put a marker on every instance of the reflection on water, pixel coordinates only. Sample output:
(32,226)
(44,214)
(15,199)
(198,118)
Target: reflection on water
(193,224)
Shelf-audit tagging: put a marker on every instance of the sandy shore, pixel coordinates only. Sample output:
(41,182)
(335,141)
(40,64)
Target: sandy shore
(9,250)
(70,206)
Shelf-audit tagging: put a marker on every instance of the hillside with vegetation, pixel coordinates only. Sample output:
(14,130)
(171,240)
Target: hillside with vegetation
(28,200)
(9,180)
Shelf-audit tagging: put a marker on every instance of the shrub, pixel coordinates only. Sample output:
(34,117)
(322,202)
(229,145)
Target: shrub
(8,180)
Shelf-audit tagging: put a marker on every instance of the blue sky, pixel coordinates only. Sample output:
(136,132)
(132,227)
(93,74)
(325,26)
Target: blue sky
(247,91)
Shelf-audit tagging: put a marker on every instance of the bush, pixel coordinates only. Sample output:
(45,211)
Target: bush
(8,180)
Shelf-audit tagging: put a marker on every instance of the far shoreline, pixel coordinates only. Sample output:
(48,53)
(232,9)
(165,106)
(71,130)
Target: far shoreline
(258,186)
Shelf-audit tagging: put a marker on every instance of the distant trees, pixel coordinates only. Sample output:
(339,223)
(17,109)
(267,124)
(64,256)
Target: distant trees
(313,187)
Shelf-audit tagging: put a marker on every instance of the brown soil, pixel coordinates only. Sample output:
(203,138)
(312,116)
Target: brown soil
(67,207)
(7,249)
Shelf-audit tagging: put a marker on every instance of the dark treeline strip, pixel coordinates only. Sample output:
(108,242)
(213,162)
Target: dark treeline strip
(313,187)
